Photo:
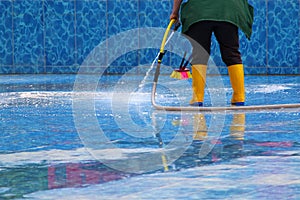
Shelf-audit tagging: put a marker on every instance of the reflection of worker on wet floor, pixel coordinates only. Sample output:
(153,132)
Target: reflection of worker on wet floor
(200,128)
(237,127)
(214,145)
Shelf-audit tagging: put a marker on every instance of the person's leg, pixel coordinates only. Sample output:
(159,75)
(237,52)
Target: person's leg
(200,37)
(199,34)
(228,39)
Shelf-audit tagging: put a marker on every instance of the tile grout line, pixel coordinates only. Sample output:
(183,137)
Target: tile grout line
(13,37)
(267,41)
(75,35)
(44,37)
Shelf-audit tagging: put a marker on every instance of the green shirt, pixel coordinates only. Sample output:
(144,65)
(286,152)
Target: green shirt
(237,12)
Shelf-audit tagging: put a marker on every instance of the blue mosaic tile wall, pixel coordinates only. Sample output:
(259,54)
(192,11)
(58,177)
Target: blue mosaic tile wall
(55,36)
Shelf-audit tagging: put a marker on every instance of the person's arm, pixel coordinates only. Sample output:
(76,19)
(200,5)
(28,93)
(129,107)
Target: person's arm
(175,10)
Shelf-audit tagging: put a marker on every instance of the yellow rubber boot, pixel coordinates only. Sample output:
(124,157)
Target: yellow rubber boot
(198,84)
(236,74)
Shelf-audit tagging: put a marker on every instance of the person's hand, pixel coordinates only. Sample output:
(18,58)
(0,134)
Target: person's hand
(174,16)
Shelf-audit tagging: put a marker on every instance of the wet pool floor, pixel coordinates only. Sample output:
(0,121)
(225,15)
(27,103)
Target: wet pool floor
(54,147)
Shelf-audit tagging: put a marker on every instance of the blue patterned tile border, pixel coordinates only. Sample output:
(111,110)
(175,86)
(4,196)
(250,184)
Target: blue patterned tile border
(7,69)
(255,70)
(283,70)
(56,36)
(27,69)
(72,69)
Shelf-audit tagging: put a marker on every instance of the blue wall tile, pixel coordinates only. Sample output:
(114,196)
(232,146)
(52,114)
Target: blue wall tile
(6,50)
(254,51)
(215,54)
(122,16)
(59,32)
(28,34)
(50,36)
(283,33)
(91,26)
(153,13)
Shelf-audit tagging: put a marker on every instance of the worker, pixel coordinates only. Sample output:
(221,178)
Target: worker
(201,18)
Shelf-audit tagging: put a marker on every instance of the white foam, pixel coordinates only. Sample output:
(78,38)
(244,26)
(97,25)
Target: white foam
(270,88)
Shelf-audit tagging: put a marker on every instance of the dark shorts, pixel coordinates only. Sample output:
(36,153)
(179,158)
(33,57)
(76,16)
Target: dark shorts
(226,35)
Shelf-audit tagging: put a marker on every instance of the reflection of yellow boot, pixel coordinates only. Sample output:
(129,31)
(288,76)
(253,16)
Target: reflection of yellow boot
(200,128)
(236,74)
(237,128)
(198,84)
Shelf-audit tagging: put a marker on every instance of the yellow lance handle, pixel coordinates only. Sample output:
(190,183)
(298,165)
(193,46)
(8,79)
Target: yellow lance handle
(162,46)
